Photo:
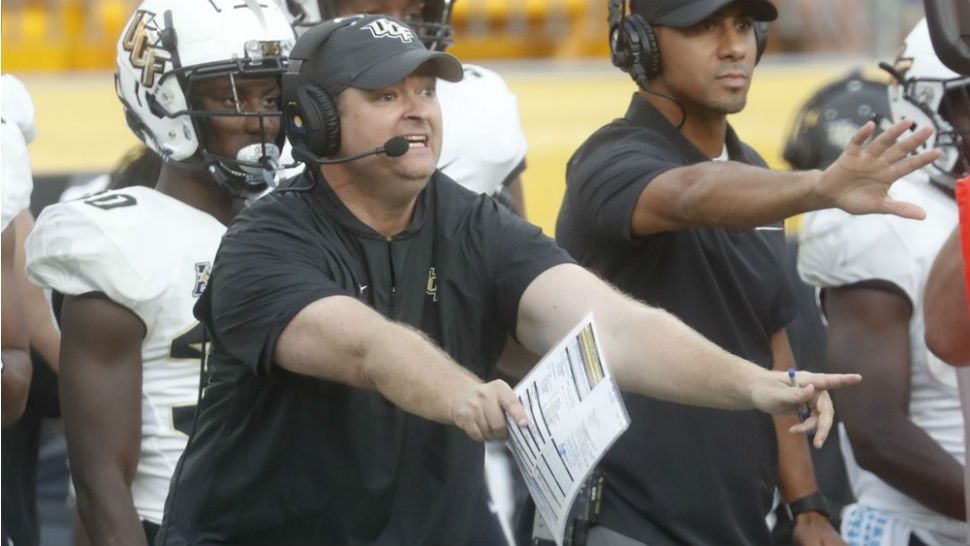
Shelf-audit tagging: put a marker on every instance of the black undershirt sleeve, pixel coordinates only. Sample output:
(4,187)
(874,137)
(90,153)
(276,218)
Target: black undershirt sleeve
(607,178)
(521,252)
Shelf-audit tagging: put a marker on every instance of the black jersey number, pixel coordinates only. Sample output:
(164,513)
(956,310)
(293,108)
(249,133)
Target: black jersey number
(187,346)
(111,201)
(182,418)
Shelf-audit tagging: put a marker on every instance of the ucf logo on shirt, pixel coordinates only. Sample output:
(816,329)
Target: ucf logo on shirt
(432,288)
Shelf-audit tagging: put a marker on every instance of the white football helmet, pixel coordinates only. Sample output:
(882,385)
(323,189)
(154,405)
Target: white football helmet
(167,46)
(434,27)
(925,90)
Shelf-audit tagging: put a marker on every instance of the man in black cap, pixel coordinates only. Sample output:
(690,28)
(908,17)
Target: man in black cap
(670,206)
(353,310)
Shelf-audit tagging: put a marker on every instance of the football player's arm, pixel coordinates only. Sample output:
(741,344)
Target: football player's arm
(945,308)
(796,477)
(734,195)
(340,339)
(868,333)
(43,334)
(101,388)
(653,353)
(17,369)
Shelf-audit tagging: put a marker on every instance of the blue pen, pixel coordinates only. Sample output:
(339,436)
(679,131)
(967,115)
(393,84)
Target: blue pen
(803,413)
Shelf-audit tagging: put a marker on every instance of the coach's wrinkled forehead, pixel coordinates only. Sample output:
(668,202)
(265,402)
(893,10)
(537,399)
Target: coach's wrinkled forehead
(373,52)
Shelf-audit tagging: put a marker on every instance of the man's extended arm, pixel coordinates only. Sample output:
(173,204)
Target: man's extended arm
(735,195)
(340,339)
(100,387)
(653,353)
(869,334)
(945,308)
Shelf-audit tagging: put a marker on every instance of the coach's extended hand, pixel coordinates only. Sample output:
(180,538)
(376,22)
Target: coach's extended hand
(859,181)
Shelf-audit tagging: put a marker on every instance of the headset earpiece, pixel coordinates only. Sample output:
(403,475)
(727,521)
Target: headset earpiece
(633,48)
(314,121)
(761,39)
(311,121)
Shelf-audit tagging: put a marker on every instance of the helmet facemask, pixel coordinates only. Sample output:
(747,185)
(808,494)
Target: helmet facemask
(253,168)
(434,27)
(954,138)
(929,94)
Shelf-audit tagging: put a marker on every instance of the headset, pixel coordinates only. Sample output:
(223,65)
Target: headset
(310,115)
(635,50)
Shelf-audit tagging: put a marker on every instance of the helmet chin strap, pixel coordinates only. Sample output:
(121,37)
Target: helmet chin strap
(252,170)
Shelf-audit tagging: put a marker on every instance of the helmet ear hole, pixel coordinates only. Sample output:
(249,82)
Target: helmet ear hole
(154,107)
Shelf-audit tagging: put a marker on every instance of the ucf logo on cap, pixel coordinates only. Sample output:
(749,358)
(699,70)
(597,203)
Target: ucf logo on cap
(385,28)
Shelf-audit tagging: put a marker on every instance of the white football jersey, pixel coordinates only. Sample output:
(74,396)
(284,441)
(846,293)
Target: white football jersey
(837,249)
(151,254)
(483,145)
(16,183)
(17,106)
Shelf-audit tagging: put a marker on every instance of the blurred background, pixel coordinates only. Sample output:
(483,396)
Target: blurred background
(553,53)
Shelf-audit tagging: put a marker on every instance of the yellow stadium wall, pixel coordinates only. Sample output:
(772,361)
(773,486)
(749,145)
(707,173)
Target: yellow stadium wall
(81,127)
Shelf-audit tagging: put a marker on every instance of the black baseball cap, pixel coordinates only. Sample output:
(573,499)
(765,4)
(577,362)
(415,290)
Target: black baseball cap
(373,52)
(685,13)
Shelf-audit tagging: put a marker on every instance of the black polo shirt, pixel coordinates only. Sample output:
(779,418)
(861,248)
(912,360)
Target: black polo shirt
(285,459)
(681,475)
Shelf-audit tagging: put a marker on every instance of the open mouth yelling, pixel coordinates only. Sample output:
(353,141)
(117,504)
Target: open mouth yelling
(418,141)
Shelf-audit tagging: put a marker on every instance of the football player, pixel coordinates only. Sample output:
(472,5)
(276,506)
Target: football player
(483,145)
(17,131)
(902,435)
(200,86)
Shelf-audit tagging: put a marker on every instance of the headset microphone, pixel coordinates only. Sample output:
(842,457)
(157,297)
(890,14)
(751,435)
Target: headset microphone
(394,147)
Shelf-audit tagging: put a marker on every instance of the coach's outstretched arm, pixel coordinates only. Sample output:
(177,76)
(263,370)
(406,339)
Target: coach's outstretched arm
(734,195)
(653,353)
(340,339)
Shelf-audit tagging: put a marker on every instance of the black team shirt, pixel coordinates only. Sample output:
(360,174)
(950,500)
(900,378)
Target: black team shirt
(681,475)
(285,459)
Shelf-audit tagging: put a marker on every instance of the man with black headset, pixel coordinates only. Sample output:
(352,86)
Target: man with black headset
(354,311)
(668,204)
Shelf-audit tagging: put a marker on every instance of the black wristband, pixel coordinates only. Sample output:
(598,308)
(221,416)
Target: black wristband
(809,503)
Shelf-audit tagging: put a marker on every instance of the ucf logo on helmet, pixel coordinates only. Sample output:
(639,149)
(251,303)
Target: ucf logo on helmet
(385,28)
(140,42)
